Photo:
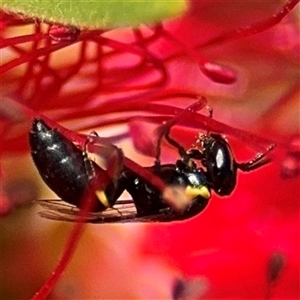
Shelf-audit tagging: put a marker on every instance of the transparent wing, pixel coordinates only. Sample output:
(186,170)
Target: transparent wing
(124,211)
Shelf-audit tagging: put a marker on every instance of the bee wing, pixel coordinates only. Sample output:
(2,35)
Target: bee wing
(124,211)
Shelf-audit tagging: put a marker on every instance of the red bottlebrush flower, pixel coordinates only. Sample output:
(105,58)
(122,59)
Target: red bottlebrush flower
(243,246)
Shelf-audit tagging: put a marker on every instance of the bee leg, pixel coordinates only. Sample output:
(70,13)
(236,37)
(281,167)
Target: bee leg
(166,128)
(258,161)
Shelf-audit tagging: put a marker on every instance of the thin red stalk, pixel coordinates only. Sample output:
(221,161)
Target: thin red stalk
(8,42)
(154,37)
(243,32)
(216,126)
(131,48)
(191,52)
(140,41)
(30,66)
(122,78)
(128,84)
(119,46)
(31,56)
(135,103)
(126,87)
(213,71)
(68,73)
(195,120)
(99,62)
(100,110)
(146,41)
(122,120)
(141,52)
(155,61)
(38,92)
(69,250)
(198,121)
(132,75)
(38,62)
(254,28)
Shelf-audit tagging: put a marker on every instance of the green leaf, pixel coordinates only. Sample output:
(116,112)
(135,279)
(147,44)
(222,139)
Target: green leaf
(97,13)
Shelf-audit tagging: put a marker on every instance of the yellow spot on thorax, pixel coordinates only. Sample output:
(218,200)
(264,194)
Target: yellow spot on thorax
(193,192)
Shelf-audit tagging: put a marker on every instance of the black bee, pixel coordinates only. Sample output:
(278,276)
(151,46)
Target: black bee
(68,171)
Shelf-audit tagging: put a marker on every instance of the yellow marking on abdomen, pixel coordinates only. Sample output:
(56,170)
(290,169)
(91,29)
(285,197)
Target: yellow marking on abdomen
(102,198)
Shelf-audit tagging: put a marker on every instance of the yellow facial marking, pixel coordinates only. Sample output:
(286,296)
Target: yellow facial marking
(102,198)
(193,192)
